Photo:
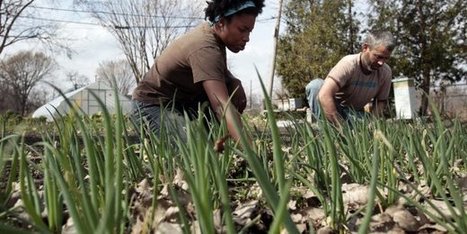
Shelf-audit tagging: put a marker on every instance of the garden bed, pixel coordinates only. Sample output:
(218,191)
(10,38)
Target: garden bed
(97,176)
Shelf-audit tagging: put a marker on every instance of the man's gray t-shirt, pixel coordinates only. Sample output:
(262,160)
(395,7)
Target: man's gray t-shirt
(356,88)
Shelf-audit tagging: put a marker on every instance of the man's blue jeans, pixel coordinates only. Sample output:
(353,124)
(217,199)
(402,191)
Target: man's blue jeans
(312,90)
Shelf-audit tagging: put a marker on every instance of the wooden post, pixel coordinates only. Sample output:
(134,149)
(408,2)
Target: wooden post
(276,39)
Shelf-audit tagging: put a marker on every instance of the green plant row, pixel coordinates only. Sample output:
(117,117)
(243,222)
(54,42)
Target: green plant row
(88,171)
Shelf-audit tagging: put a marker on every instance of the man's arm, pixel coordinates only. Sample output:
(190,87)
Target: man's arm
(326,98)
(378,109)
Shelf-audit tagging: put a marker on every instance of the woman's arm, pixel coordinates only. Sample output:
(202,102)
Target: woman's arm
(218,95)
(237,93)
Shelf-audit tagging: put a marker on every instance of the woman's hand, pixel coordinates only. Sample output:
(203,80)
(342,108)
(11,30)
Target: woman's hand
(219,144)
(218,95)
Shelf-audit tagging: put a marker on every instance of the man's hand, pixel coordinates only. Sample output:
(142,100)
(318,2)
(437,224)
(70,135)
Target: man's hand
(378,108)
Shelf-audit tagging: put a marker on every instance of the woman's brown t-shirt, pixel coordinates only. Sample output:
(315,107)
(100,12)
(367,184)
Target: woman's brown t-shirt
(177,74)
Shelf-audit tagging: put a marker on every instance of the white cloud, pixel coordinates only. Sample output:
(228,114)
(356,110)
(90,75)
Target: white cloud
(258,52)
(93,44)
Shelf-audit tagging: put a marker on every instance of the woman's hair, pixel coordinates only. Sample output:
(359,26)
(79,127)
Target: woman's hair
(383,38)
(217,9)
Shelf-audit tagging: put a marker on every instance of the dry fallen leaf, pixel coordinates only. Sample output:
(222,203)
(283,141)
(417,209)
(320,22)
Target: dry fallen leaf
(169,228)
(406,220)
(428,228)
(179,179)
(442,208)
(315,214)
(69,227)
(354,196)
(244,212)
(381,223)
(326,230)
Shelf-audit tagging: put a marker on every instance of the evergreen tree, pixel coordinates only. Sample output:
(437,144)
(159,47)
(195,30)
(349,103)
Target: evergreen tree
(431,36)
(318,34)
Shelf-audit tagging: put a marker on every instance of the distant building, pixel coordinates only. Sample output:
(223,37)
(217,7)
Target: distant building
(84,101)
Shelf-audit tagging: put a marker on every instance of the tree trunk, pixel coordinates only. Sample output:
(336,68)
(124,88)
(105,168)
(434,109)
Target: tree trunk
(424,61)
(425,86)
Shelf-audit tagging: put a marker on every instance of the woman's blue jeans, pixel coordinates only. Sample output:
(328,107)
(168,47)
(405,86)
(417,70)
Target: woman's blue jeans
(152,118)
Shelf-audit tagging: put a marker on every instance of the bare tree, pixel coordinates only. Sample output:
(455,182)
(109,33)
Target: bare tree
(144,28)
(21,72)
(19,22)
(6,100)
(37,98)
(76,79)
(117,73)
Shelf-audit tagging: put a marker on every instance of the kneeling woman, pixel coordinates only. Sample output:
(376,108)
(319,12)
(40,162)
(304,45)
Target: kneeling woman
(193,68)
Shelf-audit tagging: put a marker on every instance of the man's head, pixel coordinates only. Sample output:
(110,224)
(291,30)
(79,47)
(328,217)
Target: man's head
(376,50)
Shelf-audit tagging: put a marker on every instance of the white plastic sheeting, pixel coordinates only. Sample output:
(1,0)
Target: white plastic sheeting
(84,101)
